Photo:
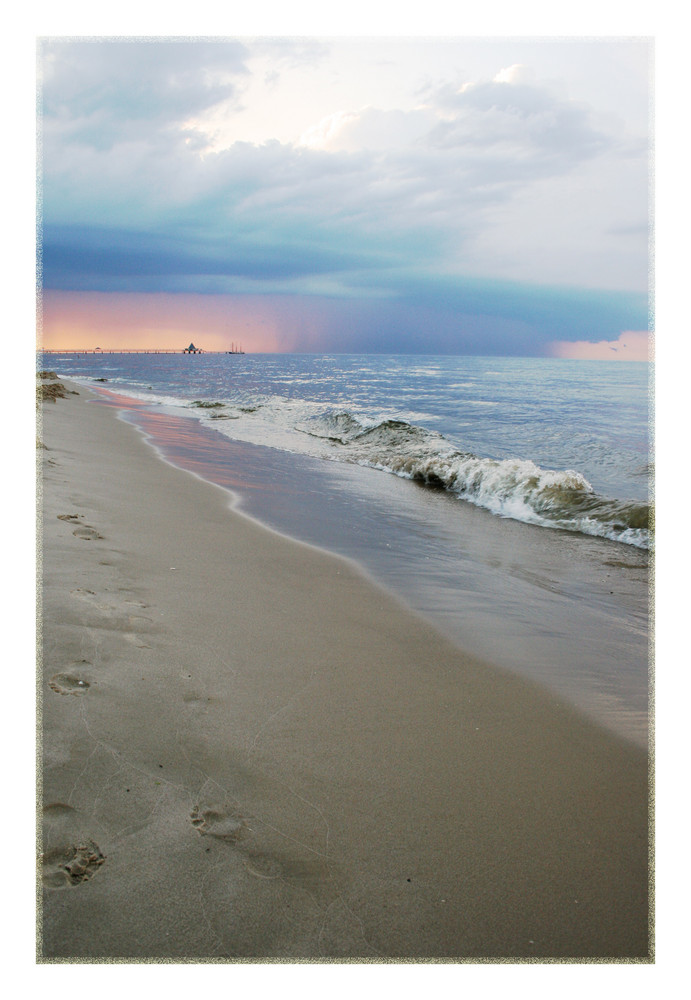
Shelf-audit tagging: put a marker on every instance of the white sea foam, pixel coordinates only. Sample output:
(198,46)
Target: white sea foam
(514,487)
(382,415)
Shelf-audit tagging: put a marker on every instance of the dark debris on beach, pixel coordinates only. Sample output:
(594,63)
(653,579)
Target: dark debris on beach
(53,389)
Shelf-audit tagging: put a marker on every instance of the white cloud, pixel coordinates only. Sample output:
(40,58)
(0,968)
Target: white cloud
(515,74)
(501,175)
(371,129)
(326,132)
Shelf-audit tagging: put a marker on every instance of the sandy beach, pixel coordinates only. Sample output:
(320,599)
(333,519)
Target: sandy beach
(250,751)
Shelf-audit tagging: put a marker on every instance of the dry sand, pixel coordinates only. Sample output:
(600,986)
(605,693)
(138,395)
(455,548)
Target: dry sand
(251,751)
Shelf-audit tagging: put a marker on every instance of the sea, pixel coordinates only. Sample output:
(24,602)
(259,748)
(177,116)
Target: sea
(506,500)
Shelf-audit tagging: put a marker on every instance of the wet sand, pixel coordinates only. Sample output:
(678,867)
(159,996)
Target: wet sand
(251,751)
(564,610)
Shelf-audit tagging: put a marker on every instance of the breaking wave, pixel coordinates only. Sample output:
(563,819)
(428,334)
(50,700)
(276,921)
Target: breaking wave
(512,487)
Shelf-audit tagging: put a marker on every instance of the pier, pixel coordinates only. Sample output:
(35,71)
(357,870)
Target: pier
(139,350)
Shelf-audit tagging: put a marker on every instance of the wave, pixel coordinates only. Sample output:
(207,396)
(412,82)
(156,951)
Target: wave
(516,488)
(512,487)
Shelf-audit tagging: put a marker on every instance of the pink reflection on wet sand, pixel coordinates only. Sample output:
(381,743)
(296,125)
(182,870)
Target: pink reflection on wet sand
(188,444)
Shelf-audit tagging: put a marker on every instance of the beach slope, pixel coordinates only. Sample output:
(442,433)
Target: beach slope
(251,751)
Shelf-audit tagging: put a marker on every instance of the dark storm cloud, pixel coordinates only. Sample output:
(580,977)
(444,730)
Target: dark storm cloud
(102,259)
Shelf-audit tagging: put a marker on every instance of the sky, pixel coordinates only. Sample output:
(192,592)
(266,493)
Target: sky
(371,194)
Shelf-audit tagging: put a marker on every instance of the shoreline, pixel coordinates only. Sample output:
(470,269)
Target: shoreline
(489,584)
(251,751)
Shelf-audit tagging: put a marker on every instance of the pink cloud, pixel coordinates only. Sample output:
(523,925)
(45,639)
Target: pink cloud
(121,320)
(633,345)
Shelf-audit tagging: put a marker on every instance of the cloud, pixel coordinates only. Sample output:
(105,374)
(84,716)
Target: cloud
(630,346)
(420,314)
(101,92)
(507,131)
(370,129)
(502,178)
(109,259)
(515,74)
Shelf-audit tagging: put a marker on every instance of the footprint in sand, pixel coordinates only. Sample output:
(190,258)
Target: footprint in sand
(68,684)
(57,809)
(138,621)
(71,865)
(218,821)
(90,597)
(260,860)
(82,594)
(70,855)
(86,533)
(84,530)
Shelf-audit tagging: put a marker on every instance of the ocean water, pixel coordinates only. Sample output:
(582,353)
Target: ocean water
(506,499)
